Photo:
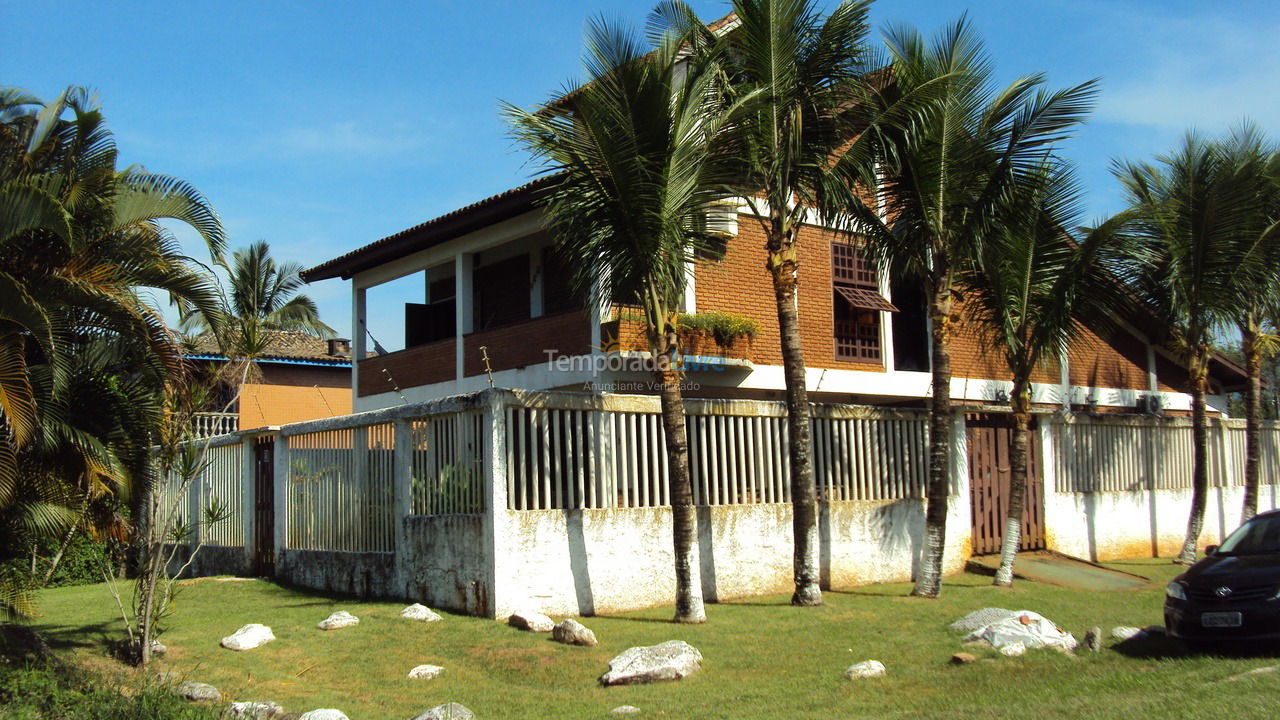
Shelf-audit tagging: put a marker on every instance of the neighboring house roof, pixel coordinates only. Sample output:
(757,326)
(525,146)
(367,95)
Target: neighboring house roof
(283,346)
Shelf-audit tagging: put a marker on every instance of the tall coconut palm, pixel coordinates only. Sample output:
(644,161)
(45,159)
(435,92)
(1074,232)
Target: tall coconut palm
(805,70)
(1196,209)
(947,179)
(1256,311)
(640,153)
(261,296)
(1035,285)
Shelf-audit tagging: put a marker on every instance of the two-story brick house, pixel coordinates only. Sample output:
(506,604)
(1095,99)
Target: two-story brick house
(498,309)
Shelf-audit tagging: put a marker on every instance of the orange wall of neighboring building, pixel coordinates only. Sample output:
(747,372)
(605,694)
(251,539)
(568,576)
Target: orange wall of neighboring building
(740,284)
(287,394)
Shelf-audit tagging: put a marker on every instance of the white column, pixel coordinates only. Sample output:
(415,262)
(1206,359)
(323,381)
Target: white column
(689,303)
(464,317)
(358,335)
(1153,383)
(1064,381)
(535,282)
(886,322)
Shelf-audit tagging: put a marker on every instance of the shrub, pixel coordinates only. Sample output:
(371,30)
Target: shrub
(52,691)
(724,327)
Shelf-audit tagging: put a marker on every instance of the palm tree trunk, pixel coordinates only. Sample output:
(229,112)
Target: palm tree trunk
(689,606)
(1253,419)
(1199,458)
(804,493)
(1021,402)
(929,577)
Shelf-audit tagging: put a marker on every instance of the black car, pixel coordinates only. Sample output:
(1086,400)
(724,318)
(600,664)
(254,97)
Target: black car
(1233,594)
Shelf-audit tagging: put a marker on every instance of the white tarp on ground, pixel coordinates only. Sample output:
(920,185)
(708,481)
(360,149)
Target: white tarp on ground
(1032,630)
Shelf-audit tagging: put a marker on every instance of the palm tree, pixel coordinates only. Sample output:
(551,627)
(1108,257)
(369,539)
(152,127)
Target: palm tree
(1256,310)
(805,71)
(947,179)
(640,154)
(1029,294)
(261,297)
(80,347)
(1197,212)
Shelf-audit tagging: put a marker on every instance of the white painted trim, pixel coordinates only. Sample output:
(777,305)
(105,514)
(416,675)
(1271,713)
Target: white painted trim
(487,237)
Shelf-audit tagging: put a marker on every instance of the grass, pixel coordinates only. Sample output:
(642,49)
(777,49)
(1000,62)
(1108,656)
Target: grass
(762,657)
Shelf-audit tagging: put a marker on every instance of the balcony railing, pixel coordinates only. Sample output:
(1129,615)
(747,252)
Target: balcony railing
(205,425)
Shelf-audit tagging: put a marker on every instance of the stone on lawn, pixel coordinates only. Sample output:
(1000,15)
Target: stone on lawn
(531,621)
(1093,639)
(198,692)
(338,620)
(979,619)
(250,710)
(963,658)
(1013,649)
(572,632)
(158,648)
(418,611)
(671,660)
(425,672)
(248,637)
(323,714)
(625,710)
(1026,628)
(1125,632)
(865,669)
(447,711)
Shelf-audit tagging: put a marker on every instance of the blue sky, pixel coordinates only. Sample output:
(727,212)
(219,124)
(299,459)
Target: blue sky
(320,127)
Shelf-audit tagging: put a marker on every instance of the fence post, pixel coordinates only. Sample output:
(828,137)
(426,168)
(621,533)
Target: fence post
(402,492)
(248,502)
(959,520)
(494,445)
(280,478)
(195,488)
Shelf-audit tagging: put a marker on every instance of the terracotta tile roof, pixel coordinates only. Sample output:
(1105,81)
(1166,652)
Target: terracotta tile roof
(282,345)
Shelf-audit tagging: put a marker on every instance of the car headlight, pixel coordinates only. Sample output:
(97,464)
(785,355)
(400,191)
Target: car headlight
(1176,591)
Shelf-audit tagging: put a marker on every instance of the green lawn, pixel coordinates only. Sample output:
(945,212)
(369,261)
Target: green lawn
(763,658)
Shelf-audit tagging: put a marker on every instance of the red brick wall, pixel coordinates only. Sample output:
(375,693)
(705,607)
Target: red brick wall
(522,344)
(740,284)
(420,365)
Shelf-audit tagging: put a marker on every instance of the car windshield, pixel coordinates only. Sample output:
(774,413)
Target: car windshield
(1259,536)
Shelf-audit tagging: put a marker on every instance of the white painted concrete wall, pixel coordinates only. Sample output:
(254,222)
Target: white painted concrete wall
(1102,526)
(581,562)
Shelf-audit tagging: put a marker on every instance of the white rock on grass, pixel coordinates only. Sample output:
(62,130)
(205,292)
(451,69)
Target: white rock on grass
(625,710)
(425,672)
(979,619)
(248,637)
(1125,632)
(866,669)
(447,711)
(338,620)
(1013,649)
(417,611)
(1030,629)
(198,692)
(531,621)
(671,660)
(572,632)
(254,710)
(323,714)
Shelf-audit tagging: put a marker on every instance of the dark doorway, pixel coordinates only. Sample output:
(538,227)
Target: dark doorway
(264,506)
(989,439)
(910,329)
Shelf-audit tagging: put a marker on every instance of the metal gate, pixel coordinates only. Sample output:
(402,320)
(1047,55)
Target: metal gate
(989,439)
(264,506)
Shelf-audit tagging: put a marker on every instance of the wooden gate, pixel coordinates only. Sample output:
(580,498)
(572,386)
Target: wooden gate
(264,506)
(989,441)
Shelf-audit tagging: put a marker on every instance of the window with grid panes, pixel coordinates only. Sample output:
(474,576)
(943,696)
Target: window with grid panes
(855,292)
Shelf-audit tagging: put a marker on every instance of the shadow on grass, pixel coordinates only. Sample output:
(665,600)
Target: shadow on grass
(90,635)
